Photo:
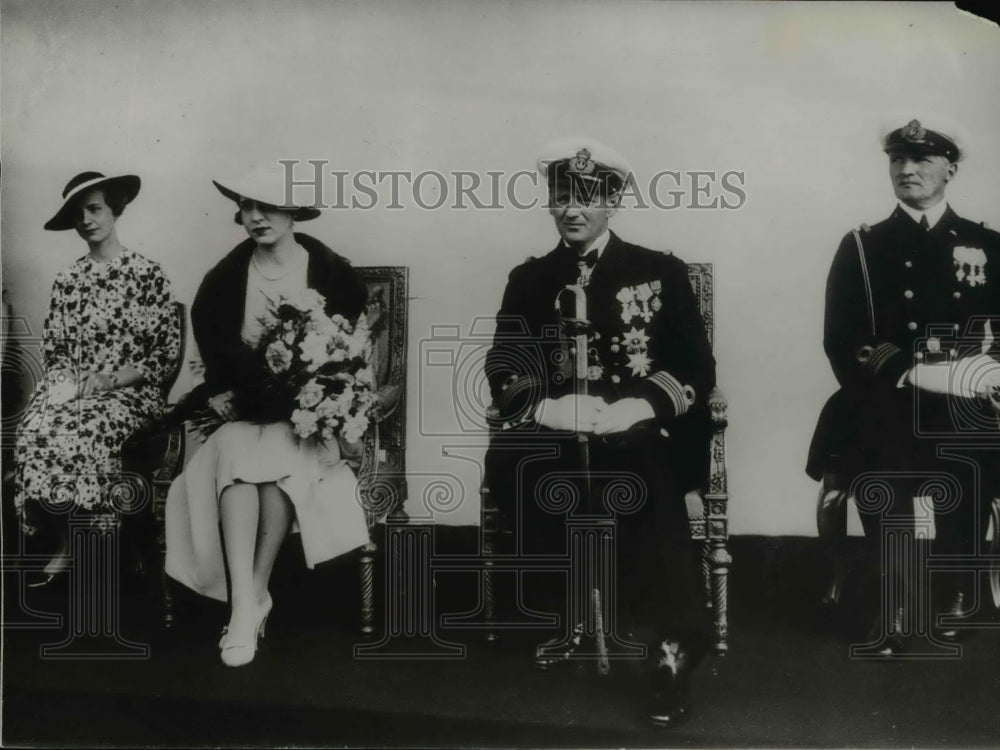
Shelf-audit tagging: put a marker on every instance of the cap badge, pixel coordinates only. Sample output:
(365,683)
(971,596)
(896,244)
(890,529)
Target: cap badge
(583,163)
(914,132)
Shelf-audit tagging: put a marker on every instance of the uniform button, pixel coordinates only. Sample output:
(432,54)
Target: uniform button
(572,350)
(957,295)
(615,348)
(909,264)
(614,339)
(908,294)
(616,379)
(911,325)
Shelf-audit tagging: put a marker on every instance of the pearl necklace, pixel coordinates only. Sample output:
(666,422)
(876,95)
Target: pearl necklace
(253,259)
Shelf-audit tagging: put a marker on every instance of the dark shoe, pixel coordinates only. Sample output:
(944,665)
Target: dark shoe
(671,694)
(959,608)
(42,580)
(671,711)
(558,652)
(887,644)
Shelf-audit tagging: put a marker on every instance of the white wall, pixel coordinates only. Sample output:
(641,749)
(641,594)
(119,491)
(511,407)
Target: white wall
(792,95)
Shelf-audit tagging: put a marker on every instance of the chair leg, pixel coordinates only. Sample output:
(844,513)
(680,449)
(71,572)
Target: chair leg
(367,564)
(995,564)
(167,601)
(490,528)
(721,561)
(489,601)
(706,570)
(831,524)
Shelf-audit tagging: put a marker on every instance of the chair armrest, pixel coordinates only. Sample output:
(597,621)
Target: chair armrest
(387,398)
(156,451)
(718,406)
(493,418)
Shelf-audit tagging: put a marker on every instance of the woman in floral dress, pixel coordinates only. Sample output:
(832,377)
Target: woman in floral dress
(253,479)
(111,340)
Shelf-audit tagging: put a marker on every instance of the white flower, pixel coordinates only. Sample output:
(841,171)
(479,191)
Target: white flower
(308,300)
(304,422)
(366,375)
(314,349)
(346,401)
(328,410)
(278,357)
(354,428)
(310,395)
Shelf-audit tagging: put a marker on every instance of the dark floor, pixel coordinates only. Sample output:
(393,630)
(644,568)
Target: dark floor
(788,680)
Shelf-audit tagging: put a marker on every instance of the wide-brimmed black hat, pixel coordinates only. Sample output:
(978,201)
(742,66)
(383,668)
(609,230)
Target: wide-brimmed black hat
(267,187)
(128,185)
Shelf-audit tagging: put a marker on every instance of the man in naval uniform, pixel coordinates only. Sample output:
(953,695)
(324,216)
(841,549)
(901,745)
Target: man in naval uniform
(643,418)
(912,314)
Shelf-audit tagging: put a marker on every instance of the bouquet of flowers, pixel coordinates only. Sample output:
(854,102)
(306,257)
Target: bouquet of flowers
(311,369)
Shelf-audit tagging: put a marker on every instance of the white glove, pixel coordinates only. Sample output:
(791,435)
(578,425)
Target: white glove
(968,377)
(623,414)
(570,413)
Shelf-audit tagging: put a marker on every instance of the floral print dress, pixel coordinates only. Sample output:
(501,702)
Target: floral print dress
(102,316)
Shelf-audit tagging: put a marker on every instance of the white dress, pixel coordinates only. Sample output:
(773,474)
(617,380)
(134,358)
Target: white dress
(323,490)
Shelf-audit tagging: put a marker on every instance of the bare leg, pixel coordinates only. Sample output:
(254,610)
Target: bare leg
(240,509)
(275,520)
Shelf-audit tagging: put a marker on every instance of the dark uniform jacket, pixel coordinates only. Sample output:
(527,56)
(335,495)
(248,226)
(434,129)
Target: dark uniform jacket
(932,291)
(648,341)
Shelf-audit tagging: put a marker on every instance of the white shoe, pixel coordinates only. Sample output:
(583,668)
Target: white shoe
(238,646)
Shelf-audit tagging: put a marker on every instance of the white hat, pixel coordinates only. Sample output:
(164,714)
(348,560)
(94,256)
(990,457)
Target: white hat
(584,158)
(265,186)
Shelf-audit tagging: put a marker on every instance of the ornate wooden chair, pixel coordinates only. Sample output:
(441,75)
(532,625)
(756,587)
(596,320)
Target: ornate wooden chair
(710,527)
(382,472)
(152,459)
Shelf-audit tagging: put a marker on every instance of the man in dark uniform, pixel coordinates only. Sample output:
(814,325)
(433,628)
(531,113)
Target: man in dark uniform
(912,311)
(640,411)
